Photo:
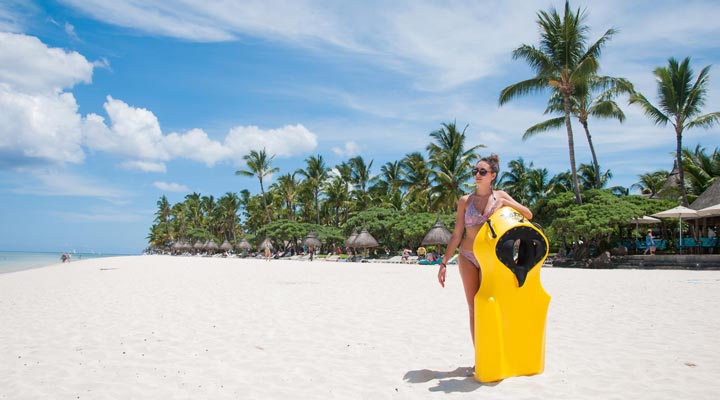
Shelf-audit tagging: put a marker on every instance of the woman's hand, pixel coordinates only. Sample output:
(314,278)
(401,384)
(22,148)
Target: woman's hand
(441,274)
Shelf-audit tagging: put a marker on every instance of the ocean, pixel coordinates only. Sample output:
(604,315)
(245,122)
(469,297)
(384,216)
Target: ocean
(11,261)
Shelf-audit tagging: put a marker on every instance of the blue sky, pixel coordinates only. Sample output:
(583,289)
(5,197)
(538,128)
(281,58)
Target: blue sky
(108,105)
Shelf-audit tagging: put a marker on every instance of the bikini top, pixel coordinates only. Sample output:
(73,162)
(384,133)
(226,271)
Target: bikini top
(472,216)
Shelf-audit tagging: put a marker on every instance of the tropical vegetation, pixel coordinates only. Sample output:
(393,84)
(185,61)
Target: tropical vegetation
(399,201)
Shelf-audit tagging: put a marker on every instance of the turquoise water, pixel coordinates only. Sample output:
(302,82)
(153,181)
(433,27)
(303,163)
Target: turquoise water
(11,261)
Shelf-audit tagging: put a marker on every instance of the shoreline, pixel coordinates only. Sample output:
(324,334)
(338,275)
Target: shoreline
(160,326)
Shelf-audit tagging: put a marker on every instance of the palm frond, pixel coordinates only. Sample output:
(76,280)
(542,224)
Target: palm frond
(544,126)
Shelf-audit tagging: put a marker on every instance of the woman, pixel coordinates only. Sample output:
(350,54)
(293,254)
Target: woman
(649,243)
(473,210)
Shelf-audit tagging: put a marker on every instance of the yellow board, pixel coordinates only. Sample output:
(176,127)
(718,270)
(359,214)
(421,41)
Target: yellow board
(511,304)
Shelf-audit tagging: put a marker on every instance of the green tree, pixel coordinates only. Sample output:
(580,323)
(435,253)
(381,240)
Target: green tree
(651,183)
(583,105)
(562,62)
(259,164)
(416,181)
(681,103)
(287,187)
(315,173)
(451,164)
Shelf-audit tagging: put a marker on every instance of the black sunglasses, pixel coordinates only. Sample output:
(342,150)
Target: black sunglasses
(482,172)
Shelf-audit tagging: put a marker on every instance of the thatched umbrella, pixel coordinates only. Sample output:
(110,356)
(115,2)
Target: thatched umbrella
(210,245)
(350,242)
(225,246)
(198,245)
(365,240)
(311,241)
(438,234)
(187,245)
(243,245)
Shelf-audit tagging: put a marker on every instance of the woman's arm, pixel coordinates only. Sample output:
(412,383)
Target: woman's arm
(454,239)
(505,199)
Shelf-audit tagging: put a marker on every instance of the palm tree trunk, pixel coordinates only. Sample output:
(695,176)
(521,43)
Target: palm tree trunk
(594,157)
(267,210)
(681,172)
(571,150)
(317,205)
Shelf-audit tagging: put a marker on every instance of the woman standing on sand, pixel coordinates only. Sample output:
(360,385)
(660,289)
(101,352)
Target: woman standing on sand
(473,210)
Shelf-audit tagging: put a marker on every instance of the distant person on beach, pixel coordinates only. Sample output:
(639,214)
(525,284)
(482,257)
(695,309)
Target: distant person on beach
(267,251)
(65,257)
(649,243)
(473,210)
(405,256)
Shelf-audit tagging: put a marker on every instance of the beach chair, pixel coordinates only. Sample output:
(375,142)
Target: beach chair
(687,243)
(640,246)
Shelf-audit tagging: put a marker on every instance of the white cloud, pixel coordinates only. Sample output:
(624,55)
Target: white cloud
(287,141)
(135,132)
(29,66)
(349,150)
(145,166)
(38,119)
(70,30)
(440,44)
(40,126)
(171,187)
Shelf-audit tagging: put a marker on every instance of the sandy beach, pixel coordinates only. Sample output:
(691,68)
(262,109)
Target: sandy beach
(151,327)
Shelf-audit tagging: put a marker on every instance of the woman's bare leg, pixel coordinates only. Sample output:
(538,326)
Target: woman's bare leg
(470,276)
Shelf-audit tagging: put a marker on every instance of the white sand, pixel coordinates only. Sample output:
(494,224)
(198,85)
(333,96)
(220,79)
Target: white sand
(152,327)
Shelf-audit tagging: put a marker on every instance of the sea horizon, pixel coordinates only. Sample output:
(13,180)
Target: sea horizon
(13,261)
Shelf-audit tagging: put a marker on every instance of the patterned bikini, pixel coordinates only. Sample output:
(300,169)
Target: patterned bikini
(473,218)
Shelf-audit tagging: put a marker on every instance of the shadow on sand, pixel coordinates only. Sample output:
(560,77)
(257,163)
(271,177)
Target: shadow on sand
(459,380)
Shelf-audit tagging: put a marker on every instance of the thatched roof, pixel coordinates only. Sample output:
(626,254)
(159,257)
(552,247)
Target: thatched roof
(350,242)
(311,240)
(211,245)
(365,240)
(709,197)
(438,234)
(244,245)
(226,246)
(198,245)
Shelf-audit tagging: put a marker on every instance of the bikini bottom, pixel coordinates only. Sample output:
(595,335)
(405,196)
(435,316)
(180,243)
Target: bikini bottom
(470,256)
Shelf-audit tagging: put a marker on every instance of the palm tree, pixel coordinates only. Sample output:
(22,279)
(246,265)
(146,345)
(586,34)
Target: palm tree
(316,173)
(651,183)
(360,177)
(451,164)
(538,184)
(162,219)
(701,169)
(287,186)
(388,183)
(681,102)
(516,181)
(336,195)
(590,179)
(416,180)
(258,164)
(226,216)
(584,105)
(562,62)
